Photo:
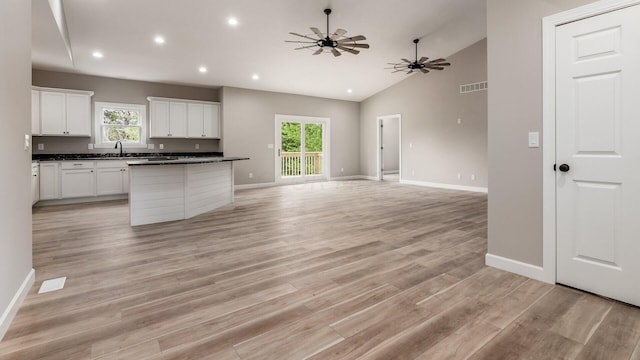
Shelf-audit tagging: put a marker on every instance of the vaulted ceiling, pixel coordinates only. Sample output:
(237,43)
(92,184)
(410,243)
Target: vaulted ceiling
(197,34)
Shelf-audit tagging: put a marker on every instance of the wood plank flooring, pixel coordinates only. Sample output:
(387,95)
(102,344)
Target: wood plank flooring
(336,270)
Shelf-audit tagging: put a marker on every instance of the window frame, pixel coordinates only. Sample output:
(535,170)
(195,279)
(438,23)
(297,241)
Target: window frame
(98,113)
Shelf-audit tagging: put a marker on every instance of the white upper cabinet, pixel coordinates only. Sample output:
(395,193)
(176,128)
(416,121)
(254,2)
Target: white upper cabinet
(184,118)
(35,112)
(64,112)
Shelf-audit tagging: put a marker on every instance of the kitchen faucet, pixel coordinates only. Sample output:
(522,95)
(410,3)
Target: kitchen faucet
(119,142)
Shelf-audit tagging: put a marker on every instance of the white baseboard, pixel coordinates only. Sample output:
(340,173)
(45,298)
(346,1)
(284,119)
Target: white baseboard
(10,312)
(446,186)
(390,172)
(253,186)
(515,266)
(81,200)
(351,177)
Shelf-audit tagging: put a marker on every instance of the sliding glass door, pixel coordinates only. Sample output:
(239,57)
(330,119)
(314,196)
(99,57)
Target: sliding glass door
(301,153)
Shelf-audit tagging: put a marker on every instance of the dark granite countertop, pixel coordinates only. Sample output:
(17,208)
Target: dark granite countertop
(168,160)
(127,156)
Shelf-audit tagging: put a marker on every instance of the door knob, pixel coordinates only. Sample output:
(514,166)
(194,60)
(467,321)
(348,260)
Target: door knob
(564,168)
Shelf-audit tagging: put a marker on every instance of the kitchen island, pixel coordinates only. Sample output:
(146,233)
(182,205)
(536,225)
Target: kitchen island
(168,188)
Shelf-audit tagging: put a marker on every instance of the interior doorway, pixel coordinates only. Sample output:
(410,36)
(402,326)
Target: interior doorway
(302,148)
(389,162)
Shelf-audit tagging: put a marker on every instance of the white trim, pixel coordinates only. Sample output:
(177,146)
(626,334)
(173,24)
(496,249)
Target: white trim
(516,267)
(391,172)
(352,177)
(326,147)
(446,186)
(155,98)
(12,309)
(254,186)
(549,25)
(68,91)
(79,200)
(379,120)
(97,124)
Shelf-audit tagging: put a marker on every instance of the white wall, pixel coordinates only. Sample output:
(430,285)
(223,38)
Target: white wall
(15,115)
(514,31)
(249,126)
(434,147)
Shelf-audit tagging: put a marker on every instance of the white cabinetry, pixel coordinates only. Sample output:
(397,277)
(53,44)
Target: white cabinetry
(35,183)
(203,121)
(49,181)
(35,112)
(77,179)
(168,119)
(112,177)
(183,118)
(64,112)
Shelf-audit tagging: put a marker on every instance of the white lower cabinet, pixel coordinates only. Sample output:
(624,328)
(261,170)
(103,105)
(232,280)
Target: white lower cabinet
(49,181)
(35,183)
(112,177)
(77,183)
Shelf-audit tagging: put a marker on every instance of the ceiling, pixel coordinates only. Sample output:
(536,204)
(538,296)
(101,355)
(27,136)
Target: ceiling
(197,34)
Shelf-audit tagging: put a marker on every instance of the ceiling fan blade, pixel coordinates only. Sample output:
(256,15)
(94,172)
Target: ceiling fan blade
(300,42)
(335,52)
(423,59)
(438,60)
(405,60)
(305,47)
(442,64)
(338,33)
(410,71)
(364,46)
(304,36)
(354,52)
(393,72)
(435,67)
(424,70)
(318,51)
(317,32)
(354,38)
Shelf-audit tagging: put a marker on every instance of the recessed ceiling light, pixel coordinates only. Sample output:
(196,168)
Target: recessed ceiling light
(232,21)
(98,55)
(159,40)
(202,69)
(349,91)
(255,77)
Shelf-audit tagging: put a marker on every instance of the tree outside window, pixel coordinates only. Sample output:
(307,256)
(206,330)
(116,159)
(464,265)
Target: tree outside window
(120,122)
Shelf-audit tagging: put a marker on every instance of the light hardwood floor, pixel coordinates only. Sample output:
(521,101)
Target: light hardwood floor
(338,270)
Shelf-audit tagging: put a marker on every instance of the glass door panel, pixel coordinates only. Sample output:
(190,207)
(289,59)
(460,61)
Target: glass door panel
(291,149)
(313,149)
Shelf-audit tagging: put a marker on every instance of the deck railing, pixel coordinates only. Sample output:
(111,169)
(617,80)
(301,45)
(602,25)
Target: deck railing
(291,163)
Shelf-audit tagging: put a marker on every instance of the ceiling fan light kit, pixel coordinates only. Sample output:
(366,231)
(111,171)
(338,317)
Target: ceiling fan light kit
(422,64)
(335,42)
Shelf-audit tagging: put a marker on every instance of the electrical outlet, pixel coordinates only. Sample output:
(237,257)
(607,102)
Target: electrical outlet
(341,170)
(161,146)
(89,146)
(410,145)
(459,121)
(27,141)
(413,172)
(250,175)
(40,146)
(197,146)
(459,176)
(473,177)
(151,146)
(269,146)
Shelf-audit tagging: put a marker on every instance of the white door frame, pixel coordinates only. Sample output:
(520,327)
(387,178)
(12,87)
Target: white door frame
(326,123)
(379,143)
(549,25)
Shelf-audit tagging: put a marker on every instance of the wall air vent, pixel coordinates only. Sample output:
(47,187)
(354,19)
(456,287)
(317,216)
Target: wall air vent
(479,86)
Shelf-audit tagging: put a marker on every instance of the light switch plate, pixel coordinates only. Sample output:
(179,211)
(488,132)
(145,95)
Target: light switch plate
(161,146)
(534,139)
(151,146)
(89,146)
(269,146)
(40,146)
(27,141)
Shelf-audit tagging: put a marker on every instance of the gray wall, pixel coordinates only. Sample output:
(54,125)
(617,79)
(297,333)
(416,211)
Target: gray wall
(514,30)
(430,105)
(249,126)
(123,91)
(391,143)
(15,100)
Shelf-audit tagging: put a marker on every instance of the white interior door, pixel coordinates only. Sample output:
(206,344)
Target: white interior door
(598,154)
